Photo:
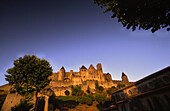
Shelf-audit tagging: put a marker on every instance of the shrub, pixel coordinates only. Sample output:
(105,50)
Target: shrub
(113,87)
(2,99)
(77,90)
(96,85)
(50,107)
(91,96)
(120,86)
(111,90)
(85,100)
(100,98)
(67,92)
(22,106)
(88,89)
(101,88)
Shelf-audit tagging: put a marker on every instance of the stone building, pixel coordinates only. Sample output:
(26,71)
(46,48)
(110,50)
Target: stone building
(62,80)
(151,93)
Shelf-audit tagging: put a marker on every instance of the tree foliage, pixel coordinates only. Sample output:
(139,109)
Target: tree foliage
(101,88)
(85,100)
(77,91)
(100,98)
(29,74)
(111,90)
(120,86)
(96,85)
(67,92)
(88,89)
(145,14)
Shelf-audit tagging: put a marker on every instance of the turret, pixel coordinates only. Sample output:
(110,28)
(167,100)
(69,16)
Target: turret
(61,74)
(100,72)
(124,78)
(83,72)
(83,69)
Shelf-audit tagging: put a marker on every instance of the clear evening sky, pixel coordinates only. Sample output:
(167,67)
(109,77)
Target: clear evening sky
(72,33)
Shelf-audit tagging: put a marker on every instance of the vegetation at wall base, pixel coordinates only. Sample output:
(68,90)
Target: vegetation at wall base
(22,106)
(101,98)
(67,92)
(76,90)
(2,99)
(119,86)
(88,89)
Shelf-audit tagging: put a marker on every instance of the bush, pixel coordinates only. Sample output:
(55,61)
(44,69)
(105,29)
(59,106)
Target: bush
(50,107)
(100,98)
(85,100)
(111,90)
(22,106)
(67,92)
(91,96)
(77,90)
(101,88)
(113,87)
(2,99)
(120,86)
(96,85)
(88,89)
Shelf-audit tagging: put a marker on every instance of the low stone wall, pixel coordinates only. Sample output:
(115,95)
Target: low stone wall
(11,100)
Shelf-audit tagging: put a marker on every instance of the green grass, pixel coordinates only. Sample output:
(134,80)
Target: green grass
(66,98)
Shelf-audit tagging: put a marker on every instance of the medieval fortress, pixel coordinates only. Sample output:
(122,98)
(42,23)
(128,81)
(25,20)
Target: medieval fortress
(63,80)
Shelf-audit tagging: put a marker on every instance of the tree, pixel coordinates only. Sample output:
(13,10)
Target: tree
(143,14)
(111,90)
(100,98)
(120,86)
(77,91)
(101,88)
(88,89)
(85,100)
(96,85)
(29,74)
(67,92)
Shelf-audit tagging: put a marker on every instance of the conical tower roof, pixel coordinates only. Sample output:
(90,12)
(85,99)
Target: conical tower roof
(123,74)
(62,67)
(83,67)
(91,67)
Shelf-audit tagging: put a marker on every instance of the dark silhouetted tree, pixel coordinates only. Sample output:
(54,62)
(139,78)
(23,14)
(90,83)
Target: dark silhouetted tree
(145,14)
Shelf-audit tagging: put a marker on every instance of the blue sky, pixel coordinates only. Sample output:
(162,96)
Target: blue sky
(75,33)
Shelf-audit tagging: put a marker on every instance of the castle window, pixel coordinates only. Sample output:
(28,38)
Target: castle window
(94,76)
(84,76)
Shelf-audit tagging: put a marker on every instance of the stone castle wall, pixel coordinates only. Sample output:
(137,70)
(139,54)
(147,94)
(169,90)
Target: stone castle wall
(62,80)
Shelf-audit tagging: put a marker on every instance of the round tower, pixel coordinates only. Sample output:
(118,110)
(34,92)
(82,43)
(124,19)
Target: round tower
(124,78)
(61,74)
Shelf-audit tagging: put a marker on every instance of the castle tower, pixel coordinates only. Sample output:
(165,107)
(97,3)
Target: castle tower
(83,72)
(124,78)
(100,72)
(61,74)
(71,73)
